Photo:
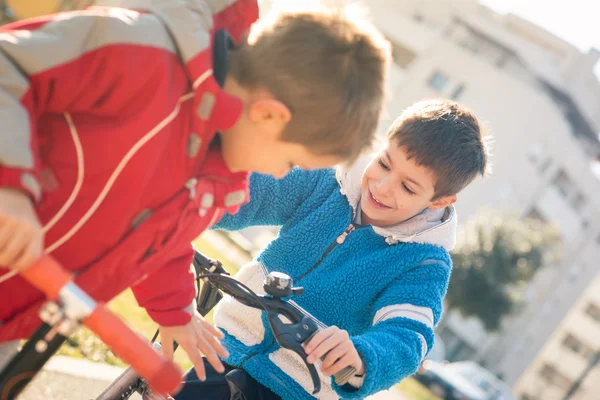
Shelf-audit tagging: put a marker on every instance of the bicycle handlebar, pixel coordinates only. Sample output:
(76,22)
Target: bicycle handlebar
(300,329)
(278,287)
(48,276)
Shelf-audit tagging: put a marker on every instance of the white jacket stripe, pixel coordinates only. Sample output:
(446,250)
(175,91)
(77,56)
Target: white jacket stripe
(421,314)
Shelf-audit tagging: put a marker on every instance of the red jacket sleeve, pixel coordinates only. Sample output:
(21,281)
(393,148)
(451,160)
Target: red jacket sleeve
(237,18)
(168,294)
(69,63)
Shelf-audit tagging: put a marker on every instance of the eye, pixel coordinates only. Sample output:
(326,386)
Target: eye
(383,165)
(407,190)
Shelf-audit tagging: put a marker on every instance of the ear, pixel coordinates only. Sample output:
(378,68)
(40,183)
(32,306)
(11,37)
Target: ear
(269,111)
(443,202)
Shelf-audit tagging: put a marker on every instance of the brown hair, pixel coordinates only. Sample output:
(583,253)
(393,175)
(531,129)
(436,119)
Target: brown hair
(328,69)
(445,137)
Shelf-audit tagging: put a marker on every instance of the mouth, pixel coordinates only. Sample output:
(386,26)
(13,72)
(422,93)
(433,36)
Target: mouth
(376,203)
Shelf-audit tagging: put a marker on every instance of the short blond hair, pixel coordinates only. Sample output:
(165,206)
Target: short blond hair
(330,71)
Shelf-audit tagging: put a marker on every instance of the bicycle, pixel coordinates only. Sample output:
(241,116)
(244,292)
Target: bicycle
(68,308)
(216,281)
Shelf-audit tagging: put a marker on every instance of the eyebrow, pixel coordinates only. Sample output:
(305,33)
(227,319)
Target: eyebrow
(387,155)
(407,178)
(414,182)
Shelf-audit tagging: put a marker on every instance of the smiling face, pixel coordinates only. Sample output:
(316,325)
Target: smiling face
(395,188)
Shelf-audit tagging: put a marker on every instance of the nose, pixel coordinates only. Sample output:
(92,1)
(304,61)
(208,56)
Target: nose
(384,186)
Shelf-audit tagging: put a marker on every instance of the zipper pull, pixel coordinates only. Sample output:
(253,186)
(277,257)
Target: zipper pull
(342,238)
(191,186)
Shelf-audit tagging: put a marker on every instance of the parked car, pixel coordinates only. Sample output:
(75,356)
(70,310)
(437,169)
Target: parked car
(465,380)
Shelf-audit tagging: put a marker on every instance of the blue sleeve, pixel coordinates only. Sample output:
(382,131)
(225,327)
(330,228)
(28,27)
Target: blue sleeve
(404,317)
(273,201)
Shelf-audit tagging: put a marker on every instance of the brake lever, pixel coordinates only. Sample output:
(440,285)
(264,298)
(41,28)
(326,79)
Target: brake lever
(204,265)
(291,336)
(279,286)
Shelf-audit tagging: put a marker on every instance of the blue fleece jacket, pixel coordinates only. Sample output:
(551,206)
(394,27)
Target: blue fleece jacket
(385,286)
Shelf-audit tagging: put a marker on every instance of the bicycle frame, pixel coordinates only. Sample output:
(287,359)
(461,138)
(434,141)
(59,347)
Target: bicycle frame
(69,307)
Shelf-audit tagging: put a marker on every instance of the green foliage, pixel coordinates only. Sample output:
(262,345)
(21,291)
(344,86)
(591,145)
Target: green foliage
(495,257)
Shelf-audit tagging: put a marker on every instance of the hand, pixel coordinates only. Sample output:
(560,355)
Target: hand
(21,235)
(196,338)
(339,351)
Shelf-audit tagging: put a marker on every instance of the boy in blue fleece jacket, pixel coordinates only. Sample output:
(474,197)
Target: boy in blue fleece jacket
(369,246)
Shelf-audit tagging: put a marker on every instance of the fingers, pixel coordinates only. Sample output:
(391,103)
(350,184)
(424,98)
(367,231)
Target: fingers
(20,246)
(209,346)
(340,364)
(191,348)
(21,235)
(318,338)
(334,338)
(212,329)
(167,345)
(334,354)
(211,336)
(334,347)
(196,338)
(6,231)
(15,248)
(32,253)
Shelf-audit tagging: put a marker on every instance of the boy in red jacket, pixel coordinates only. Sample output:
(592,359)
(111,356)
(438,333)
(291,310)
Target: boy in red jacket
(128,129)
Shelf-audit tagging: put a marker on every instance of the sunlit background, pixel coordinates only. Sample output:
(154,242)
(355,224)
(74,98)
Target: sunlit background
(530,70)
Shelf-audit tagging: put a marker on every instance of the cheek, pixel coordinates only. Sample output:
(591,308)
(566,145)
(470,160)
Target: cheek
(411,205)
(370,174)
(364,179)
(407,204)
(400,203)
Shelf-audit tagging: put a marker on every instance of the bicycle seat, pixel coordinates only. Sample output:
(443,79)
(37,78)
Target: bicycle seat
(241,385)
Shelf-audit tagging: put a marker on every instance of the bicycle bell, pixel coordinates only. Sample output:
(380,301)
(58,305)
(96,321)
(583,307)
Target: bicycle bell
(278,284)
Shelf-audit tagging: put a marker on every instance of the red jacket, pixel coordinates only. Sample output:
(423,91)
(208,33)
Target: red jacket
(107,116)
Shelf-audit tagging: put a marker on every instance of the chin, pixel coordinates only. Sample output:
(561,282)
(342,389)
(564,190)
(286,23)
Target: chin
(370,214)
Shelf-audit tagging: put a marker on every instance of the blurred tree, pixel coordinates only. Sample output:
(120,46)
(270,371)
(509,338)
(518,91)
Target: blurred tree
(495,257)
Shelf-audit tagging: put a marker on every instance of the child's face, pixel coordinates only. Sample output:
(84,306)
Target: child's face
(395,188)
(270,155)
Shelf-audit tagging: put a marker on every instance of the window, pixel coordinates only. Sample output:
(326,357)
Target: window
(552,376)
(402,56)
(535,154)
(563,183)
(470,42)
(585,224)
(438,81)
(502,60)
(545,165)
(593,311)
(578,201)
(576,346)
(535,215)
(457,92)
(567,187)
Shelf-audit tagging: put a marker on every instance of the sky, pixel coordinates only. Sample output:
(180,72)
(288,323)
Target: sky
(575,21)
